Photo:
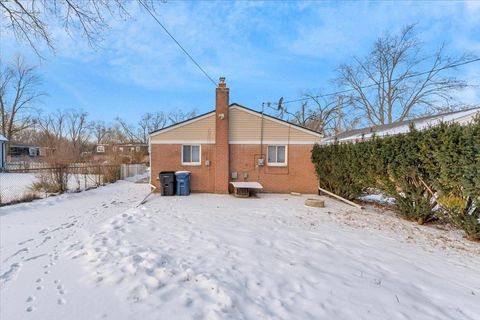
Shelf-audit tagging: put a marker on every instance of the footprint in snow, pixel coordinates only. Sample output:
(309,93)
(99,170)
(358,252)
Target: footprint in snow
(26,241)
(60,290)
(79,255)
(44,240)
(36,257)
(71,225)
(10,273)
(19,252)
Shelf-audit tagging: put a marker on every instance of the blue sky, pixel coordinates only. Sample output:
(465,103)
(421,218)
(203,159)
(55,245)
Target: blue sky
(265,50)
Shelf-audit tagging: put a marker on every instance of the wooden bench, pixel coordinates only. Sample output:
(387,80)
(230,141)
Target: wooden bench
(243,189)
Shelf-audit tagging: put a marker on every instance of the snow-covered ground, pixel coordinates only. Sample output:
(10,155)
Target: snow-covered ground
(93,255)
(14,186)
(378,198)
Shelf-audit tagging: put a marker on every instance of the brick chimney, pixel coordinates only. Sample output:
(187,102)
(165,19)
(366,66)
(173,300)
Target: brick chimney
(222,171)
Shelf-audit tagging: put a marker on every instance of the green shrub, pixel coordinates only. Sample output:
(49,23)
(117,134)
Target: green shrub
(432,174)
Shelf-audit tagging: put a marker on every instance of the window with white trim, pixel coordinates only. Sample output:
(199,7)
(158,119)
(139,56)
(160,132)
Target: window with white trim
(191,154)
(100,149)
(277,155)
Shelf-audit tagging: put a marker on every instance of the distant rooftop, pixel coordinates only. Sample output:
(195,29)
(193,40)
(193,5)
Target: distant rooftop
(461,116)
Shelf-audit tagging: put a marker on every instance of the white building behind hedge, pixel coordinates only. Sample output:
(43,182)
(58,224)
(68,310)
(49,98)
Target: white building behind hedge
(462,117)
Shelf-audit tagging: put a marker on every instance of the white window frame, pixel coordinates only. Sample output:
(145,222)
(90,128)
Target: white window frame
(100,149)
(278,164)
(199,155)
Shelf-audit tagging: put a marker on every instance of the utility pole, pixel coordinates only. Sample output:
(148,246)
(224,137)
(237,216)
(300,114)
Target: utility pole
(339,125)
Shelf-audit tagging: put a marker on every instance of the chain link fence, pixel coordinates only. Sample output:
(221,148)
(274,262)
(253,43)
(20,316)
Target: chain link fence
(134,172)
(20,183)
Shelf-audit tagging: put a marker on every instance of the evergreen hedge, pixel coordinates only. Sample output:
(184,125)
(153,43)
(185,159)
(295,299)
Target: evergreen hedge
(431,174)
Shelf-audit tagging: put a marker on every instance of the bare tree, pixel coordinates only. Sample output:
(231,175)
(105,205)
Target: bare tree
(313,112)
(65,135)
(53,126)
(128,132)
(18,95)
(29,19)
(148,123)
(52,129)
(179,115)
(117,134)
(151,122)
(390,84)
(100,131)
(28,136)
(78,128)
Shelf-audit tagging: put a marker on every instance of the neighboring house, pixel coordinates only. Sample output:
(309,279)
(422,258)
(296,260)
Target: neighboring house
(462,117)
(46,151)
(23,150)
(235,143)
(127,152)
(102,149)
(121,148)
(3,151)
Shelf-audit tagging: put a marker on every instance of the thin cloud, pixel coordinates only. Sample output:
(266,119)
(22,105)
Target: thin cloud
(264,49)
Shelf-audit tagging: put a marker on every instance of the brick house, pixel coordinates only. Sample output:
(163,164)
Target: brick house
(235,143)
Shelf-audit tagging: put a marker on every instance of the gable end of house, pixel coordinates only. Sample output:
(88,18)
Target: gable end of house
(247,126)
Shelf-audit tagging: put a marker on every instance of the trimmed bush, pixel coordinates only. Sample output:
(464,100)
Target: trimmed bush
(432,174)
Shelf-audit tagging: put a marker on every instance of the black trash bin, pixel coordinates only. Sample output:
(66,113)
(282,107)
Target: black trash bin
(167,183)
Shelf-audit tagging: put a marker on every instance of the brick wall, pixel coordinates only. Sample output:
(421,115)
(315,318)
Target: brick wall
(221,137)
(298,176)
(167,157)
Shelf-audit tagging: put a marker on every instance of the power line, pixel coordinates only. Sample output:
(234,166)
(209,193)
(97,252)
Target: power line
(178,43)
(374,84)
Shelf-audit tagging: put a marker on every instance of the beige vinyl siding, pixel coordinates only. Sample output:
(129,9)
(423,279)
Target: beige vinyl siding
(246,126)
(201,130)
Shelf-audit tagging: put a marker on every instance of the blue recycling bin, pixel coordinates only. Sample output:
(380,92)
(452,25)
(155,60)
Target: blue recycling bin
(183,182)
